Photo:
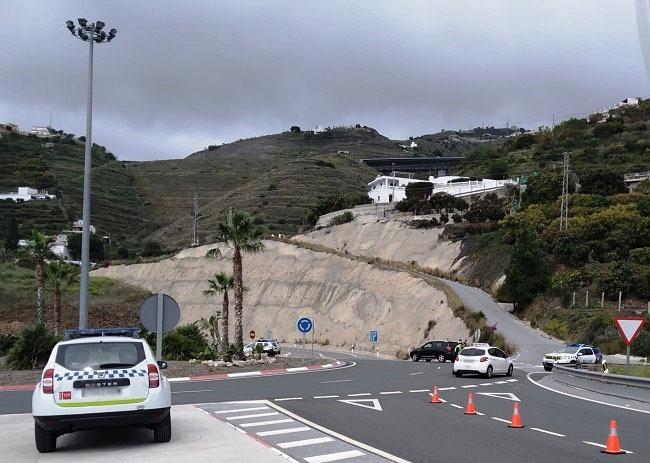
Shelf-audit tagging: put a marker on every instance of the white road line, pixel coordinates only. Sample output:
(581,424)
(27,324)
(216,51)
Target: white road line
(297,369)
(596,444)
(245,373)
(486,384)
(582,398)
(511,380)
(390,392)
(325,396)
(302,443)
(420,390)
(337,381)
(480,414)
(451,388)
(265,423)
(284,399)
(456,406)
(501,382)
(334,456)
(190,392)
(501,419)
(547,432)
(469,385)
(339,436)
(361,394)
(254,415)
(237,410)
(277,432)
(418,373)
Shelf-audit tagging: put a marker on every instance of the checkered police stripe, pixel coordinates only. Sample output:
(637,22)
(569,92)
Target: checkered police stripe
(100,374)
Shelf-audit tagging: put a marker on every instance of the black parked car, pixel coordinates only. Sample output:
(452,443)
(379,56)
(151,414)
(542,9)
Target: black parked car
(440,350)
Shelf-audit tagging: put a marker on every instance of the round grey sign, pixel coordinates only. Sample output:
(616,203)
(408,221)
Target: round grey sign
(149,313)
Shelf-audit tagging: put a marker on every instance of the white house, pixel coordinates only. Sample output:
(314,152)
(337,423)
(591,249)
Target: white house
(59,247)
(42,132)
(77,227)
(26,193)
(388,189)
(413,145)
(319,129)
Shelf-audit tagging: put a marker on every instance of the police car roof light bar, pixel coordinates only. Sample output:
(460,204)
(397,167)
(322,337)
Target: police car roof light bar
(76,333)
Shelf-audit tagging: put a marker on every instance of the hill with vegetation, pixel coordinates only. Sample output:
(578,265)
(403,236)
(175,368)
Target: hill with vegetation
(56,165)
(279,179)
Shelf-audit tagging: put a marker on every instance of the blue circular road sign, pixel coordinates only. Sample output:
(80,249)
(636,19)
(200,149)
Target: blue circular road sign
(305,325)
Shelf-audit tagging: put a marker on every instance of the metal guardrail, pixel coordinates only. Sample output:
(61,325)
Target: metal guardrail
(636,176)
(627,387)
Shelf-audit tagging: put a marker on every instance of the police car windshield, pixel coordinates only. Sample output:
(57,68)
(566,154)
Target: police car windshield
(568,350)
(99,355)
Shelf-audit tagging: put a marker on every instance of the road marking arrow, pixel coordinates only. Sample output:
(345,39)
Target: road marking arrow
(502,395)
(364,403)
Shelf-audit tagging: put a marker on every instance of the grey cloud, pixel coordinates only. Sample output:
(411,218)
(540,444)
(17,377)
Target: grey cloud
(181,75)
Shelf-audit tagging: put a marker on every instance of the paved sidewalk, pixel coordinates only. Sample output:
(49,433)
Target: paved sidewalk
(196,436)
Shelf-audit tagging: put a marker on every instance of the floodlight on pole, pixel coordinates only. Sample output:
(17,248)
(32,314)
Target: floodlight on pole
(91,33)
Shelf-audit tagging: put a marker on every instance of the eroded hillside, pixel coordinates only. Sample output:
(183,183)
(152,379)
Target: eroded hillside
(346,298)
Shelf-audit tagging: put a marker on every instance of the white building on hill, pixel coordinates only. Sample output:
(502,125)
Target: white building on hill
(26,193)
(392,188)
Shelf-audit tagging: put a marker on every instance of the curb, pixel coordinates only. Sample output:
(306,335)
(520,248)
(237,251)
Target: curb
(216,376)
(248,374)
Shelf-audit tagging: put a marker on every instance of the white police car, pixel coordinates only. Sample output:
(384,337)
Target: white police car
(571,354)
(483,359)
(100,378)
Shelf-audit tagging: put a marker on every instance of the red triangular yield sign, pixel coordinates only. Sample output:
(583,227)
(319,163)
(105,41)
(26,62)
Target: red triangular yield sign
(629,327)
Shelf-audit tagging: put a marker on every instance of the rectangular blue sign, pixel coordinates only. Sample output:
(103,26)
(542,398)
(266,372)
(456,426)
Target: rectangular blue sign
(374,336)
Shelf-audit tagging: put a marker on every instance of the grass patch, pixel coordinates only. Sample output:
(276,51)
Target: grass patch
(635,370)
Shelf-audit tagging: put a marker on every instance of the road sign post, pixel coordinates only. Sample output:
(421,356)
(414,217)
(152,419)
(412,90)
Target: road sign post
(374,337)
(629,328)
(305,325)
(159,313)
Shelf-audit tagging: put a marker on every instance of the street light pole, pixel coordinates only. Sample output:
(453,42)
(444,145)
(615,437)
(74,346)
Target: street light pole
(90,33)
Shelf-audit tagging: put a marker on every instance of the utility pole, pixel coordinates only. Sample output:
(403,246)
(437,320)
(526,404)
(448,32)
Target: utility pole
(195,220)
(564,208)
(91,33)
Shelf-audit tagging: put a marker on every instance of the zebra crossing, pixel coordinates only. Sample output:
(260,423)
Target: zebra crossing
(297,441)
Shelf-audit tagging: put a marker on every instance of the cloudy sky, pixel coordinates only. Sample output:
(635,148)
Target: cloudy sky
(185,74)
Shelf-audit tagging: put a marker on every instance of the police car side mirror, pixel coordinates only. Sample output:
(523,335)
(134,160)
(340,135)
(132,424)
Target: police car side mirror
(162,365)
(580,354)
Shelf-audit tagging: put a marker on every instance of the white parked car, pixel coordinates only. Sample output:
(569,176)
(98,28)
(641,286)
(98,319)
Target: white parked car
(101,378)
(482,359)
(572,354)
(270,347)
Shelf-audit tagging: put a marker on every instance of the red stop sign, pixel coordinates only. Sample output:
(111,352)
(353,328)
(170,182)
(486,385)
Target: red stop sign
(252,334)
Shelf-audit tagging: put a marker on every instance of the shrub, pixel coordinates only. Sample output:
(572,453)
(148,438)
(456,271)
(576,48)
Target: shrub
(152,249)
(341,219)
(640,256)
(32,348)
(457,218)
(418,190)
(6,342)
(184,343)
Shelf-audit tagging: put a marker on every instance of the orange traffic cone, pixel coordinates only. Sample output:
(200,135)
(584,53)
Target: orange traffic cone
(469,408)
(613,444)
(435,398)
(515,421)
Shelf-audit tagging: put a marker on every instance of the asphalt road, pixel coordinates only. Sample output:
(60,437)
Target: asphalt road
(558,428)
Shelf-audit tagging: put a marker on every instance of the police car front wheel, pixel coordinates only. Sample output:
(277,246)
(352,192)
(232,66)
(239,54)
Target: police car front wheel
(45,440)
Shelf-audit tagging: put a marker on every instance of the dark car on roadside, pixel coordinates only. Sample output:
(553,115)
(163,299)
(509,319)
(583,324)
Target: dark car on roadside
(439,350)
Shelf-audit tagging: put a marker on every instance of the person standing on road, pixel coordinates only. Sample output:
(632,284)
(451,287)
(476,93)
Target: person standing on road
(458,348)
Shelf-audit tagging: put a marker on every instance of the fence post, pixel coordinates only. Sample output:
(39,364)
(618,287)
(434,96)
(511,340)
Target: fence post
(587,299)
(602,300)
(620,296)
(573,300)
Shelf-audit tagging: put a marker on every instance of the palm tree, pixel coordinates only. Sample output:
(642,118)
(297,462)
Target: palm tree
(221,283)
(241,235)
(38,249)
(211,325)
(59,275)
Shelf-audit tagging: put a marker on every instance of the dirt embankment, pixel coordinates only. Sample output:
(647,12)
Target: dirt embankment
(395,240)
(390,240)
(345,298)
